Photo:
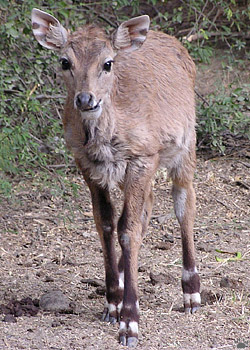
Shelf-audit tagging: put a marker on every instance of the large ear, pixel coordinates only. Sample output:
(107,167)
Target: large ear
(131,34)
(47,30)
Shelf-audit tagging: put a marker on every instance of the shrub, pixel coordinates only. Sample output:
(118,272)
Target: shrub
(31,99)
(225,114)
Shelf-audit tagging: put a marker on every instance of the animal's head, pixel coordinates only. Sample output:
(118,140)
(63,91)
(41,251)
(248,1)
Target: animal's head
(87,56)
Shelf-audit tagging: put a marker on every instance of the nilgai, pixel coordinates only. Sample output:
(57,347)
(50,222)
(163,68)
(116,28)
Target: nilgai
(130,109)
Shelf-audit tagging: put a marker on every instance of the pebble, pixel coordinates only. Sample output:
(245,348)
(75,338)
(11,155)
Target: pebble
(9,318)
(55,301)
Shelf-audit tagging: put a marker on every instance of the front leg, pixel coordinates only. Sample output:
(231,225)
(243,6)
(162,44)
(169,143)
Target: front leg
(137,190)
(104,216)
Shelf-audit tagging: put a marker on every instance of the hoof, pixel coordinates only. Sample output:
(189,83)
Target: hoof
(111,313)
(192,302)
(131,342)
(106,317)
(128,333)
(123,340)
(195,308)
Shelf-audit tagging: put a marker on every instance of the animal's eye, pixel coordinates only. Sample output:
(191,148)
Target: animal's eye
(65,63)
(107,66)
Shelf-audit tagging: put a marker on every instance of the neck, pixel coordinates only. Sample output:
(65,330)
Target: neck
(100,130)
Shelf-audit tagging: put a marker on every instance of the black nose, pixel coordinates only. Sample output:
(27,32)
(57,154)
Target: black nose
(84,100)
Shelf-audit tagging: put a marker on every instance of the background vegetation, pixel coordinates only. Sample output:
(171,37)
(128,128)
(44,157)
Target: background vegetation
(31,97)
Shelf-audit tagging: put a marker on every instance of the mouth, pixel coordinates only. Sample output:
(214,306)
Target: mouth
(94,108)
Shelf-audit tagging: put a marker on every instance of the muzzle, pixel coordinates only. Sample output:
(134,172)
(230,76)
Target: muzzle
(86,102)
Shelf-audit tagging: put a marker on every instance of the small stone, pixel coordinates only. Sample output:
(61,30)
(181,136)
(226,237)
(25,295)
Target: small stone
(9,318)
(161,278)
(93,282)
(18,312)
(204,247)
(101,290)
(162,219)
(49,279)
(168,238)
(163,246)
(208,297)
(5,309)
(55,301)
(142,268)
(93,295)
(55,323)
(227,282)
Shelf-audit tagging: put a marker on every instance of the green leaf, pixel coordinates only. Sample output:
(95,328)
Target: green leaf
(13,32)
(237,256)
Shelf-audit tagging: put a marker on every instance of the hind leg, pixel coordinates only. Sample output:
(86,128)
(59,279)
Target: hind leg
(184,206)
(147,211)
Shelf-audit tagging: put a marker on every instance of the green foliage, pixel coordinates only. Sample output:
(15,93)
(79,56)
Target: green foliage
(5,187)
(197,23)
(202,53)
(224,114)
(200,23)
(29,122)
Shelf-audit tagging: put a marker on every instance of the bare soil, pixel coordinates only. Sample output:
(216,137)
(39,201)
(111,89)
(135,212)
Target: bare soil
(50,243)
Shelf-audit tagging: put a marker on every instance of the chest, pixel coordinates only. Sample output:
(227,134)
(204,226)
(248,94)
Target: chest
(105,160)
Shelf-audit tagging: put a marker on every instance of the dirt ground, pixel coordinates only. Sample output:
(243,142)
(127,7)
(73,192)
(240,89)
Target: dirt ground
(50,243)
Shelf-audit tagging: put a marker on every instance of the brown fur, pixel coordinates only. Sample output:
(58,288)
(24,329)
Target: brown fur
(147,120)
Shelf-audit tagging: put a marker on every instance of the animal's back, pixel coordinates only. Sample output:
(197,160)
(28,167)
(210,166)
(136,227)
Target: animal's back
(155,95)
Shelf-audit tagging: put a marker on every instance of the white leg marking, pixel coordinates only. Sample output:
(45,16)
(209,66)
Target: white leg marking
(179,197)
(192,298)
(121,280)
(111,308)
(137,305)
(186,298)
(119,307)
(123,326)
(196,298)
(133,326)
(187,274)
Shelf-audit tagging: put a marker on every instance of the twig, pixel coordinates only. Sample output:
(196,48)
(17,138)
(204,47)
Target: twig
(197,36)
(8,91)
(39,97)
(61,166)
(100,16)
(58,113)
(239,207)
(38,140)
(218,13)
(201,97)
(245,164)
(226,206)
(200,14)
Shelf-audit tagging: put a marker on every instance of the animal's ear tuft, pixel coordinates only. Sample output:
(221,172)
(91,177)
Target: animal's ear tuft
(47,30)
(131,34)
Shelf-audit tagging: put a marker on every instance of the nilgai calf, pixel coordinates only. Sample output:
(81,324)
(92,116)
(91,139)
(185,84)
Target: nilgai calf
(130,109)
